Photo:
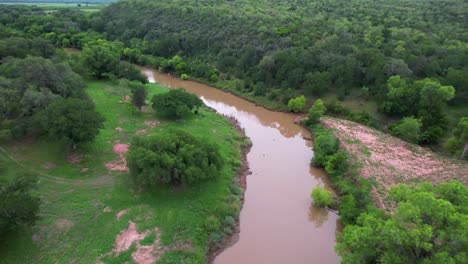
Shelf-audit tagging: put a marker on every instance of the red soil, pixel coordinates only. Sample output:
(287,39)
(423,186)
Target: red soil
(390,161)
(119,164)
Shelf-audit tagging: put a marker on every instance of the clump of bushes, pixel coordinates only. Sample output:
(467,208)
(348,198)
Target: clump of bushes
(354,200)
(297,104)
(172,157)
(321,197)
(18,207)
(317,110)
(176,103)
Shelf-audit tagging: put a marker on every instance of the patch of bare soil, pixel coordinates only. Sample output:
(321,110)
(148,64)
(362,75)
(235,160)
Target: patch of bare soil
(120,214)
(151,123)
(119,164)
(49,165)
(141,132)
(63,224)
(390,161)
(144,254)
(73,158)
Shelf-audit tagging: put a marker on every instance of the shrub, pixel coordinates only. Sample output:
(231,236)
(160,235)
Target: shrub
(337,164)
(176,103)
(138,95)
(17,206)
(173,157)
(408,129)
(297,104)
(184,76)
(325,145)
(321,197)
(316,111)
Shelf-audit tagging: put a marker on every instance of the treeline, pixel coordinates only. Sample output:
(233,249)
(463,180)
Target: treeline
(302,46)
(283,49)
(59,1)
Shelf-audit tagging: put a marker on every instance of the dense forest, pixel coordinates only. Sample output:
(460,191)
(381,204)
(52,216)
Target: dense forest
(282,49)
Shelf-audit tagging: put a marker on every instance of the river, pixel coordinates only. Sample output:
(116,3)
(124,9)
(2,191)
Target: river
(278,224)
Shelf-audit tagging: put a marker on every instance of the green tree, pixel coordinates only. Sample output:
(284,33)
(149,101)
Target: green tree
(176,103)
(138,95)
(429,225)
(173,157)
(325,145)
(431,108)
(321,197)
(101,57)
(317,110)
(401,97)
(18,208)
(297,104)
(408,129)
(72,120)
(458,143)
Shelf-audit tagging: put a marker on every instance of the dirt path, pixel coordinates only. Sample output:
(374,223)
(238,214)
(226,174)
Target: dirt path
(98,182)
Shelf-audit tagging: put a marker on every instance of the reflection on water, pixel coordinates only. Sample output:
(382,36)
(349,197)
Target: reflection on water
(318,215)
(277,222)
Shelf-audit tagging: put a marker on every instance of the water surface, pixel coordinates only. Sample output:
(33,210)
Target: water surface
(277,222)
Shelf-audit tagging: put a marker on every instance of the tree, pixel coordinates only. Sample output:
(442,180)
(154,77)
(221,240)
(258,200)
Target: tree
(18,208)
(408,129)
(72,120)
(317,110)
(101,57)
(458,143)
(138,95)
(431,108)
(297,104)
(401,97)
(176,103)
(321,197)
(173,157)
(429,225)
(325,145)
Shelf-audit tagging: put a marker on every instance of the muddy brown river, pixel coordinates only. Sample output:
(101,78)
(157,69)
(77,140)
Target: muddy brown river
(278,223)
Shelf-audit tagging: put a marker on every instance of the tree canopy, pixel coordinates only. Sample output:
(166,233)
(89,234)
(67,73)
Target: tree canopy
(172,157)
(176,103)
(72,120)
(429,225)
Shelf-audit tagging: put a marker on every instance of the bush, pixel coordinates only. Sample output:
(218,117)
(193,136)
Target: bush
(173,157)
(138,95)
(176,103)
(325,145)
(408,129)
(337,165)
(321,197)
(18,207)
(297,104)
(184,76)
(317,110)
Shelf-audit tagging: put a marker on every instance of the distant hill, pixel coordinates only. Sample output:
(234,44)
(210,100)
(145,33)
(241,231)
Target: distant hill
(57,1)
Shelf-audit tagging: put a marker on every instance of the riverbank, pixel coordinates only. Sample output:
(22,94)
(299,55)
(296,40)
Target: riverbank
(241,181)
(387,161)
(280,164)
(90,208)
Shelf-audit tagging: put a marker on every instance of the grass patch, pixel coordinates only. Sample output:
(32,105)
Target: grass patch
(80,201)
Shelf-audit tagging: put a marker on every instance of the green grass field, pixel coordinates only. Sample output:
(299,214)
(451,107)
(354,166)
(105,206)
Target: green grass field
(78,222)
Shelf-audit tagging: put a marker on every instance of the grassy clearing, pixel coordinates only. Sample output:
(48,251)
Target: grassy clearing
(80,201)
